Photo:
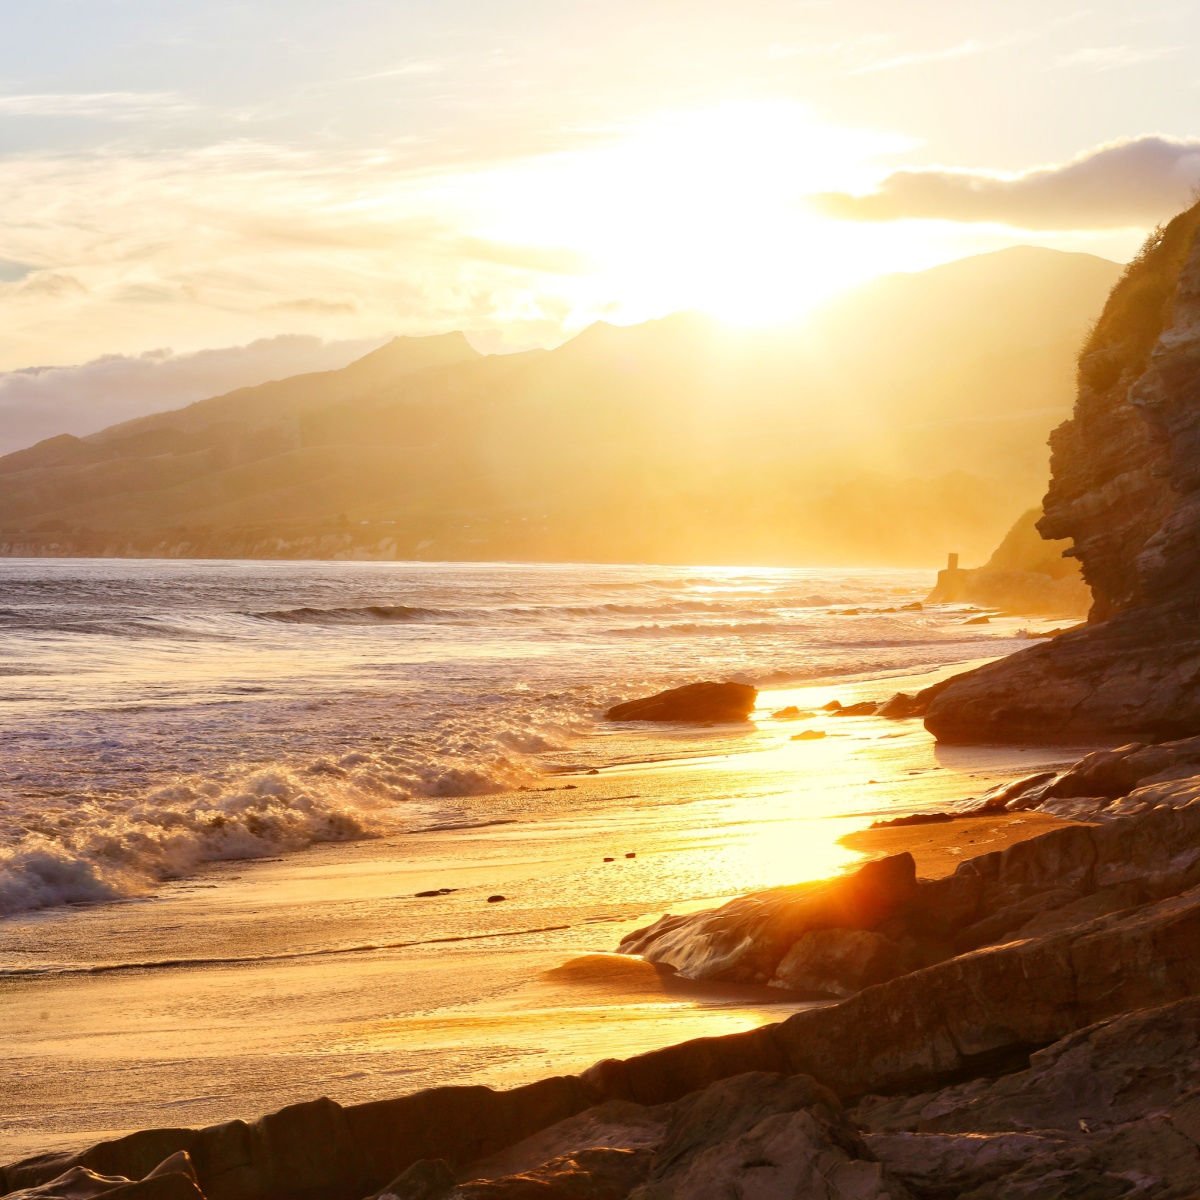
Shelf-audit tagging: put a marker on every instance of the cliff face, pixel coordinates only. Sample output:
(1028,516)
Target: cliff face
(1124,472)
(1125,489)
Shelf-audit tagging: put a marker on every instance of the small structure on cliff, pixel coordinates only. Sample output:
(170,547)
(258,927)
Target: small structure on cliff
(1026,575)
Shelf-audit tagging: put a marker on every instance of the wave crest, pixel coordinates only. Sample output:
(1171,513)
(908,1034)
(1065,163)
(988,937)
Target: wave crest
(368,614)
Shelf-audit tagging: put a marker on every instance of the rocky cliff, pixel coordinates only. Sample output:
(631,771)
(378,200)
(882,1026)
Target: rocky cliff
(1125,489)
(1026,574)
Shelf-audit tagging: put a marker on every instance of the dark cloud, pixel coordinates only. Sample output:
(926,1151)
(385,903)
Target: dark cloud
(40,402)
(1135,182)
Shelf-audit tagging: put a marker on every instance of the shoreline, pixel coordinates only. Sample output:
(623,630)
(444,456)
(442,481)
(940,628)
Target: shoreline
(352,1008)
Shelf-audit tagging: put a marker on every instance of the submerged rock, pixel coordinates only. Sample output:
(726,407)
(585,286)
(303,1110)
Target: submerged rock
(792,713)
(693,703)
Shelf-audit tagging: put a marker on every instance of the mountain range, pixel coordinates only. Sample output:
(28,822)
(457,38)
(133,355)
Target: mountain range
(907,418)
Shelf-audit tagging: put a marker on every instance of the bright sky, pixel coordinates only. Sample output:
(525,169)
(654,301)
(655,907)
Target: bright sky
(189,174)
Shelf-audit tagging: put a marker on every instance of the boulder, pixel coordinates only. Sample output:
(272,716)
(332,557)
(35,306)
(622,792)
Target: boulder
(839,962)
(1115,1101)
(755,1135)
(172,1179)
(429,1179)
(694,703)
(901,706)
(836,937)
(745,939)
(759,1136)
(595,1173)
(792,713)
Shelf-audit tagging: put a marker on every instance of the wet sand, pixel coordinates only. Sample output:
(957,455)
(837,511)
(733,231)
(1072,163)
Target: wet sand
(257,985)
(939,848)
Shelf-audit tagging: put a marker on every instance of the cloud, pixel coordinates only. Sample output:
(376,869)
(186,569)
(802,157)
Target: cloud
(921,58)
(121,106)
(1138,181)
(40,402)
(1108,58)
(50,284)
(313,304)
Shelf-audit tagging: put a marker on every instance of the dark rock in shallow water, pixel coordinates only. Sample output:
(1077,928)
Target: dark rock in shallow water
(901,706)
(694,703)
(792,713)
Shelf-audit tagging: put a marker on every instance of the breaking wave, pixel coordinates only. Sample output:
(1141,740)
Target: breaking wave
(369,614)
(108,849)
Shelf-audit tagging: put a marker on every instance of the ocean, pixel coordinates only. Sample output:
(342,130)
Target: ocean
(156,716)
(277,830)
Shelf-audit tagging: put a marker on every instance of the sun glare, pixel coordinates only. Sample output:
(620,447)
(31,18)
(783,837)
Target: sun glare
(699,210)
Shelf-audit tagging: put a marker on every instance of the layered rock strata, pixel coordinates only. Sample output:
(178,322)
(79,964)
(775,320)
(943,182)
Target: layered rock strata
(1061,1056)
(1125,489)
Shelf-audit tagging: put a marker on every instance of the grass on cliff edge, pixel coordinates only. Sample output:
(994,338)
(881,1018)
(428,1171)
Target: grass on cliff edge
(1138,308)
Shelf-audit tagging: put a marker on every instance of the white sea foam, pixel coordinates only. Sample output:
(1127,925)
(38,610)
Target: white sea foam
(159,716)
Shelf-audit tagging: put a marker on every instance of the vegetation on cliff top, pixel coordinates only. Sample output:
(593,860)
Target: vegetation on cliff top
(1138,309)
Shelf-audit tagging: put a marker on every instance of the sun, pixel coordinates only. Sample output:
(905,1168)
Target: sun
(699,210)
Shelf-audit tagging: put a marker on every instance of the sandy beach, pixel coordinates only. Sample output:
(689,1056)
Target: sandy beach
(323,973)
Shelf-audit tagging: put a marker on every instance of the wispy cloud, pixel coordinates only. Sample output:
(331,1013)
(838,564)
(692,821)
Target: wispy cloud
(922,57)
(124,106)
(1109,58)
(407,70)
(1137,181)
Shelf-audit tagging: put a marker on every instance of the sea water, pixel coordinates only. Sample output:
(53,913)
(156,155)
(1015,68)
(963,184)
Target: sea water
(159,715)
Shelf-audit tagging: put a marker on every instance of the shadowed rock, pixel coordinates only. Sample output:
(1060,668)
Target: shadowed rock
(1119,905)
(694,703)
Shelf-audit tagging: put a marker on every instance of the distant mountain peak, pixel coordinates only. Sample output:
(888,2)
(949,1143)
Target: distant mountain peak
(416,353)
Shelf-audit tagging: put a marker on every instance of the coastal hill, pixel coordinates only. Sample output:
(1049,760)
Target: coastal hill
(907,418)
(1125,489)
